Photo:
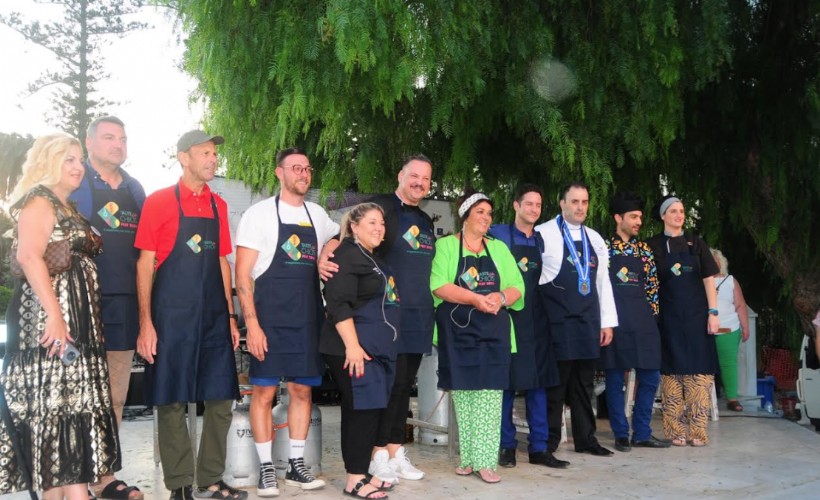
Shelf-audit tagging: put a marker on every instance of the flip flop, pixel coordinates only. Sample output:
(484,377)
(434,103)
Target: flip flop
(679,441)
(464,471)
(361,484)
(112,491)
(734,406)
(481,476)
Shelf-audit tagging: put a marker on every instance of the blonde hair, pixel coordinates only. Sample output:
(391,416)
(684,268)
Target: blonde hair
(723,263)
(44,163)
(355,214)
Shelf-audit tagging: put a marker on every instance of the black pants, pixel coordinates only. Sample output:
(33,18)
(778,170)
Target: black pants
(359,427)
(395,415)
(576,390)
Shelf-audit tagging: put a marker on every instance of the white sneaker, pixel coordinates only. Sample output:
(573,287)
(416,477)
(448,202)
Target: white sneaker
(403,468)
(380,467)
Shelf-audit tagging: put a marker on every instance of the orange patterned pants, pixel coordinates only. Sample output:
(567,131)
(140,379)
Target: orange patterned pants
(687,400)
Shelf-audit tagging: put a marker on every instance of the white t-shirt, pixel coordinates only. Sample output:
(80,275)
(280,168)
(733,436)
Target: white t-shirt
(259,228)
(553,257)
(726,303)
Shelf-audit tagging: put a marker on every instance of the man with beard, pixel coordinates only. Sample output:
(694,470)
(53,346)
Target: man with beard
(408,248)
(581,310)
(278,244)
(112,201)
(637,342)
(532,367)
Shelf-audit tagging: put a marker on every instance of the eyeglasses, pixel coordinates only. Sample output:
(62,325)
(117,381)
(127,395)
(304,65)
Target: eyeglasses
(300,169)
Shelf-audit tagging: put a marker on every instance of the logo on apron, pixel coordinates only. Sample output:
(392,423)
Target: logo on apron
(623,274)
(390,291)
(193,243)
(522,264)
(679,269)
(593,261)
(196,244)
(291,247)
(107,214)
(470,278)
(410,237)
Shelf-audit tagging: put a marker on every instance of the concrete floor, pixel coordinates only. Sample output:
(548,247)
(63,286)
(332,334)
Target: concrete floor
(751,455)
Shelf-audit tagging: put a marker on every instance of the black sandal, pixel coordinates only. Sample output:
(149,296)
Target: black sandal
(368,477)
(361,484)
(220,492)
(112,491)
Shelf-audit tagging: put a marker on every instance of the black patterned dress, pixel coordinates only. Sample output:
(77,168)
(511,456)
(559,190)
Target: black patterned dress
(62,414)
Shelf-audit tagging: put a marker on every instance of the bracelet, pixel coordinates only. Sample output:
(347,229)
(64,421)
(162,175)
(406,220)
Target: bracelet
(713,312)
(233,316)
(503,298)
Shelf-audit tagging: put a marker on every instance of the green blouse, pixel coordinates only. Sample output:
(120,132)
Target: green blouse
(445,265)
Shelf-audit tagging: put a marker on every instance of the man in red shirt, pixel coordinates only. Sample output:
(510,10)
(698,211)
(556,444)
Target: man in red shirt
(188,329)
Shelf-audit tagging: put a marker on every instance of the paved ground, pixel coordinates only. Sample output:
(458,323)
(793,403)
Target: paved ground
(749,456)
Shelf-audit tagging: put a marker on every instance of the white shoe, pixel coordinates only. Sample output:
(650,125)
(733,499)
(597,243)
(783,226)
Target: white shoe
(403,468)
(380,467)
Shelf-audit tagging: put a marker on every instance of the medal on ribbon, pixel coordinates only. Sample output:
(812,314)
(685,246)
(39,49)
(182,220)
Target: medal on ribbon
(581,262)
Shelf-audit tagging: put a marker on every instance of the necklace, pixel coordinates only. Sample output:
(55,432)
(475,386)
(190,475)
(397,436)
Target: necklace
(472,248)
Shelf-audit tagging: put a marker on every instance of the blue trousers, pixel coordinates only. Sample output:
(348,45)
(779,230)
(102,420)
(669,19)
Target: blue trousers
(536,401)
(648,381)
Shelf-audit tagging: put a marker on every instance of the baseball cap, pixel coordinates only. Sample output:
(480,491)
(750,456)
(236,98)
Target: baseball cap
(194,137)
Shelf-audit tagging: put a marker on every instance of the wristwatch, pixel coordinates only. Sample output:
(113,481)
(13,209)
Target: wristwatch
(233,316)
(713,312)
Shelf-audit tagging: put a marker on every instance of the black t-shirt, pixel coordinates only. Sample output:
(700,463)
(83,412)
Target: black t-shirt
(684,243)
(389,203)
(356,283)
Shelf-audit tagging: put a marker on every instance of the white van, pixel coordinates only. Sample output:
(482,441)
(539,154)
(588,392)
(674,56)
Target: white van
(808,382)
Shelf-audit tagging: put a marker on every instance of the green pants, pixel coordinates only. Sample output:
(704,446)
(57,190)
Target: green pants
(727,346)
(175,446)
(479,427)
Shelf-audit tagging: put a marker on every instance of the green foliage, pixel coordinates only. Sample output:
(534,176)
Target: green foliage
(715,100)
(363,83)
(13,148)
(75,40)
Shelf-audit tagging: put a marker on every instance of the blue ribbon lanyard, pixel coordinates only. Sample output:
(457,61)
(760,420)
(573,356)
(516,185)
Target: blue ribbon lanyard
(581,267)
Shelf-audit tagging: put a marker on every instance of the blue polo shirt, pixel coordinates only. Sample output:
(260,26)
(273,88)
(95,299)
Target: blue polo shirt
(501,232)
(83,197)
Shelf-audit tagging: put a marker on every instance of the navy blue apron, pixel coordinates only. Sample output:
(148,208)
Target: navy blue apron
(575,319)
(411,259)
(115,214)
(473,346)
(636,342)
(533,366)
(195,359)
(289,305)
(373,328)
(686,346)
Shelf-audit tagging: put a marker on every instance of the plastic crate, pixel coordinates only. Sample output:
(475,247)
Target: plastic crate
(780,364)
(765,388)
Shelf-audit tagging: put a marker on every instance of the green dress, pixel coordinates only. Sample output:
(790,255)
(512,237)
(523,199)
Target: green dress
(62,413)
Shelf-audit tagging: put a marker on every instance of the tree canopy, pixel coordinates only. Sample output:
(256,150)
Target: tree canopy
(74,40)
(715,100)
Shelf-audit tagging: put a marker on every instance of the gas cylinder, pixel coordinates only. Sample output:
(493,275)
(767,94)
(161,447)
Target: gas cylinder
(241,461)
(434,404)
(281,437)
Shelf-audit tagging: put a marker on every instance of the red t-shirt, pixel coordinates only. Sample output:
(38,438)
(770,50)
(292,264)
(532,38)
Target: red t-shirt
(159,220)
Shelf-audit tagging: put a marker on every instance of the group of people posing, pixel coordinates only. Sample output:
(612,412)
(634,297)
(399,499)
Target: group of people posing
(511,307)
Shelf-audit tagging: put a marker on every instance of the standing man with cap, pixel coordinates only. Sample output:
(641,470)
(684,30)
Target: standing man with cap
(532,367)
(188,329)
(278,244)
(637,342)
(112,200)
(581,310)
